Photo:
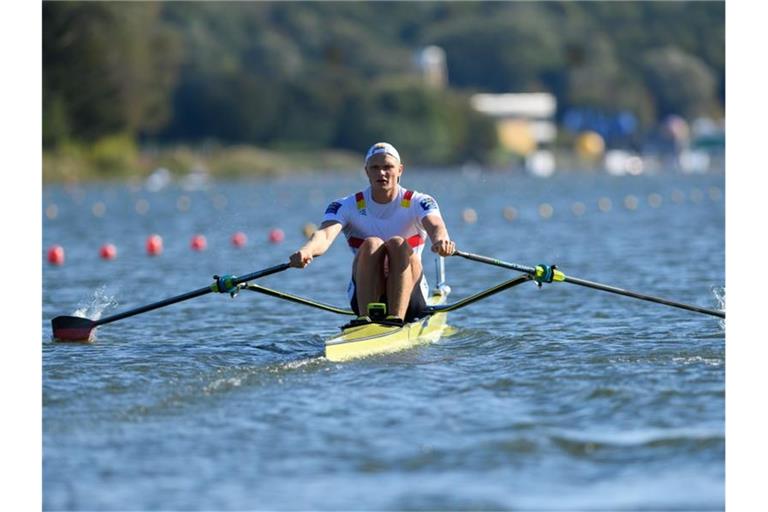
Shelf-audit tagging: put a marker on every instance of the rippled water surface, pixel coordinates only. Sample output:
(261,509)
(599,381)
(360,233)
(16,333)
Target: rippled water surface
(554,398)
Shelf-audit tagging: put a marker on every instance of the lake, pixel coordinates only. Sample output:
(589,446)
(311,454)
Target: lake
(558,397)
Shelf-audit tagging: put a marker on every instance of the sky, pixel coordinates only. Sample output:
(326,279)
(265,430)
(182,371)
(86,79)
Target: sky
(23,256)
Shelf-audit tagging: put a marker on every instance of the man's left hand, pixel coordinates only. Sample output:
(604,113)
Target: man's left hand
(444,247)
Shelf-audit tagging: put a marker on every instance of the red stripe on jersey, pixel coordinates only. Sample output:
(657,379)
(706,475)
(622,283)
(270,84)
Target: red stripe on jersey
(406,202)
(415,241)
(360,200)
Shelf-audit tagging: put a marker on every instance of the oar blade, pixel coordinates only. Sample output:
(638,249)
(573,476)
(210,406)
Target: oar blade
(72,328)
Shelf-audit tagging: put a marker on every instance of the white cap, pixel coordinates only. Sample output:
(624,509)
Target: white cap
(382,147)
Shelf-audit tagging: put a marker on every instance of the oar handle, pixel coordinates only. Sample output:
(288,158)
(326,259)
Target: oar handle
(493,261)
(538,273)
(262,273)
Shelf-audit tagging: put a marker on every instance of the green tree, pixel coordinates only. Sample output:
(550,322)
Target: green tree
(431,127)
(681,83)
(596,78)
(516,50)
(107,67)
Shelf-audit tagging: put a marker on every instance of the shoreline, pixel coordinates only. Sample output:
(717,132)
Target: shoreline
(121,159)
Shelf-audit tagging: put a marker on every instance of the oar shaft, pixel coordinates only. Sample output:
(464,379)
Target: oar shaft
(590,284)
(445,308)
(156,305)
(189,295)
(642,296)
(299,300)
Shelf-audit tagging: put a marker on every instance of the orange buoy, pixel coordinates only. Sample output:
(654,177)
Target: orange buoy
(469,215)
(239,239)
(198,243)
(510,213)
(108,252)
(276,236)
(56,255)
(154,245)
(546,211)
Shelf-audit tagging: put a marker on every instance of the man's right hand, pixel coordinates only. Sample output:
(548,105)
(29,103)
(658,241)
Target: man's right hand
(317,245)
(301,258)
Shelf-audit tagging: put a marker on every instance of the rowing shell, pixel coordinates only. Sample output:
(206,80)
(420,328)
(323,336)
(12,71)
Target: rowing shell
(371,339)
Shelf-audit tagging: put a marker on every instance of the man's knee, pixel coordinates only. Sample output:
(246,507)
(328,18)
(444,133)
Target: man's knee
(398,246)
(371,245)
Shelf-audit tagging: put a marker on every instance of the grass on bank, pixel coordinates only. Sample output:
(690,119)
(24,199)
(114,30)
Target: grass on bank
(120,157)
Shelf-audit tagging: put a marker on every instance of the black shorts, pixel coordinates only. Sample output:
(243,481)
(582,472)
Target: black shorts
(416,306)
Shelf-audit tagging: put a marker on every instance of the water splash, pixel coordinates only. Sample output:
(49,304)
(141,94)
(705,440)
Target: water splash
(99,302)
(299,363)
(719,293)
(234,377)
(223,384)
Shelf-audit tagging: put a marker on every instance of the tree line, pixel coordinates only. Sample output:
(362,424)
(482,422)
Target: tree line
(307,75)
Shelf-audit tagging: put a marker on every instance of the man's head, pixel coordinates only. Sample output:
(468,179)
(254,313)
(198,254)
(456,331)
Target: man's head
(383,166)
(382,148)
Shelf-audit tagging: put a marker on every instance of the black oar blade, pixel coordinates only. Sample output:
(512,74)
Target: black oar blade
(72,328)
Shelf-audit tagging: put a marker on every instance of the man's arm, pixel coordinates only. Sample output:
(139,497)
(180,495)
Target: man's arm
(317,244)
(438,234)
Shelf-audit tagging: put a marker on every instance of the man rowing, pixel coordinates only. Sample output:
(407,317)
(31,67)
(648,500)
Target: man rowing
(386,227)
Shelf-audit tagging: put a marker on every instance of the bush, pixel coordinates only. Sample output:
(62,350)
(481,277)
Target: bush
(114,154)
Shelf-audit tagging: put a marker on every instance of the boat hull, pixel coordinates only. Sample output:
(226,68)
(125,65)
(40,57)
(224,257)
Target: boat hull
(372,339)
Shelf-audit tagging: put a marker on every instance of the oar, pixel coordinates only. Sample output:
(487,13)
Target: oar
(445,308)
(299,300)
(73,328)
(539,272)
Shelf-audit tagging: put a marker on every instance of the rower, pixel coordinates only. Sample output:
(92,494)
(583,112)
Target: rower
(386,227)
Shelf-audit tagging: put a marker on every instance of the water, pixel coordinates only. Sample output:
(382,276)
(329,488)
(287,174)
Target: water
(553,398)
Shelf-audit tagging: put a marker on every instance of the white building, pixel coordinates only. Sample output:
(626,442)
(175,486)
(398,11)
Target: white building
(431,62)
(525,121)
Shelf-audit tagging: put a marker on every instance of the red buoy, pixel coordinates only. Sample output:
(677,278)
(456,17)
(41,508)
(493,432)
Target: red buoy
(108,252)
(198,243)
(276,236)
(239,239)
(154,245)
(56,255)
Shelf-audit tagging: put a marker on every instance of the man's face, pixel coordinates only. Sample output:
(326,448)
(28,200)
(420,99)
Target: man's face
(383,171)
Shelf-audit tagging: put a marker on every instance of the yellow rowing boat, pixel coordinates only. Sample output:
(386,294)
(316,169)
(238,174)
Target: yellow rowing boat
(371,339)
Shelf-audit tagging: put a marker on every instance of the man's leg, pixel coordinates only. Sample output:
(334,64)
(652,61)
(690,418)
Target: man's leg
(369,272)
(404,272)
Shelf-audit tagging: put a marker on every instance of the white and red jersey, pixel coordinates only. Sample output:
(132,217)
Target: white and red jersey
(362,217)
